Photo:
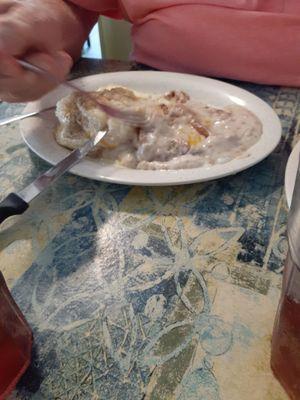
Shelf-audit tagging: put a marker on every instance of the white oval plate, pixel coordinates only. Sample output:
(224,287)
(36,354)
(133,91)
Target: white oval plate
(291,172)
(38,131)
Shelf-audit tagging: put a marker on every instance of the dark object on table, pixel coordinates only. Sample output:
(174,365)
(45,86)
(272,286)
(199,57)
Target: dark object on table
(285,359)
(15,342)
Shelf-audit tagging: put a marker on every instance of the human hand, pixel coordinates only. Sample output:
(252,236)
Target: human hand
(39,32)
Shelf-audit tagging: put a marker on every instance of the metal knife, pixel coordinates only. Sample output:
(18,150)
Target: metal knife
(17,203)
(9,120)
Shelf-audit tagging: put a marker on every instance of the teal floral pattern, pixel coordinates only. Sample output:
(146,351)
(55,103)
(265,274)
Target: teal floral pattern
(124,298)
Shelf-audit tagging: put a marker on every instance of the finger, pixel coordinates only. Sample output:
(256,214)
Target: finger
(9,66)
(20,32)
(10,90)
(30,86)
(14,36)
(17,90)
(57,64)
(5,6)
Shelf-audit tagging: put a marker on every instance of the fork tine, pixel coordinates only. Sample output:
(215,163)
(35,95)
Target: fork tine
(131,117)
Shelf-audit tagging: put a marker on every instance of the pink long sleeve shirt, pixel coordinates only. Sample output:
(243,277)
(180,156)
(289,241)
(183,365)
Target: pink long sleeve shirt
(252,40)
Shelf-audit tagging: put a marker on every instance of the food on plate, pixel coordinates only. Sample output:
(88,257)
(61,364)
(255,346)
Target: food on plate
(180,133)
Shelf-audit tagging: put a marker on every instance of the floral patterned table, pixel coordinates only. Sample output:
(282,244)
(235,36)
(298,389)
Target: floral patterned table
(149,293)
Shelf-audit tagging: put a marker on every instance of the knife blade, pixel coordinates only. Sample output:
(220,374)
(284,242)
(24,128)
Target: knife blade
(17,203)
(15,118)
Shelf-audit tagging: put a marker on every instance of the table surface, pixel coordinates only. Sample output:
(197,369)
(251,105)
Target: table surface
(149,293)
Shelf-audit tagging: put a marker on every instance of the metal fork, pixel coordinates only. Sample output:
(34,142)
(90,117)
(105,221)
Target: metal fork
(129,116)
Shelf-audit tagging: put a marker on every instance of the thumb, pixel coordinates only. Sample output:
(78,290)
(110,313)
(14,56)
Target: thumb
(58,64)
(63,64)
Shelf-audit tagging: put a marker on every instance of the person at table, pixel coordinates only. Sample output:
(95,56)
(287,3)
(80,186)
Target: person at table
(251,40)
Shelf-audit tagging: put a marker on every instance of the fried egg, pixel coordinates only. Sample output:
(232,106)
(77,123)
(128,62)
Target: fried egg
(181,133)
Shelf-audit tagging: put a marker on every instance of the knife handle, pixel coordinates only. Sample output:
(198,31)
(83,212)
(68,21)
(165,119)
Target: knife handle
(12,205)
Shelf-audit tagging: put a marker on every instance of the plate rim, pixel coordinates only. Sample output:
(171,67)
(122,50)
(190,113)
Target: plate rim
(171,176)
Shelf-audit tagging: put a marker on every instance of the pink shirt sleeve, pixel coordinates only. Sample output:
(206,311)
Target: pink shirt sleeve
(106,7)
(251,40)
